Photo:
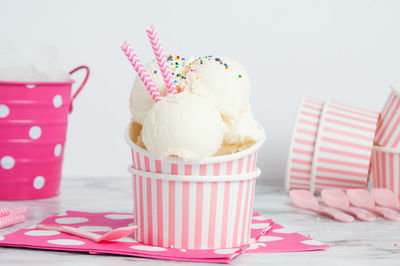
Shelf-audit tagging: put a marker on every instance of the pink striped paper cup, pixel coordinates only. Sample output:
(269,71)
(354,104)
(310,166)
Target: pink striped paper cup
(237,163)
(193,212)
(388,132)
(343,147)
(386,168)
(298,169)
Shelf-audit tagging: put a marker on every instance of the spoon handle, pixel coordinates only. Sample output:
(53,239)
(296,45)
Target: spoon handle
(388,214)
(69,230)
(335,214)
(361,214)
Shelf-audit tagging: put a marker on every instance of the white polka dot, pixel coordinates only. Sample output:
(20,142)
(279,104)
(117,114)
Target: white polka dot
(35,132)
(7,162)
(269,238)
(57,150)
(39,182)
(312,242)
(4,110)
(148,248)
(259,225)
(41,233)
(119,216)
(66,242)
(71,220)
(283,231)
(255,246)
(226,251)
(1,237)
(183,250)
(30,86)
(57,101)
(259,218)
(96,228)
(125,240)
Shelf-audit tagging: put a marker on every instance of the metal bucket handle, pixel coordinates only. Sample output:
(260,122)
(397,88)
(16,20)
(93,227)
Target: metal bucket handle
(82,84)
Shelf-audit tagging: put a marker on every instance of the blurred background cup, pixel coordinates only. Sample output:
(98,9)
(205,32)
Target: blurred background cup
(343,147)
(386,168)
(388,132)
(331,146)
(301,153)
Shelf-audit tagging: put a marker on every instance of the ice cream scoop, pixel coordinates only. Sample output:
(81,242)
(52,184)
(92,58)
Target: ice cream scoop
(221,81)
(140,100)
(225,83)
(183,125)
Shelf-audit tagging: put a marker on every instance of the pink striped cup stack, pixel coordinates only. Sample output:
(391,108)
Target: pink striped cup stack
(13,216)
(205,204)
(386,168)
(388,132)
(386,153)
(298,172)
(331,147)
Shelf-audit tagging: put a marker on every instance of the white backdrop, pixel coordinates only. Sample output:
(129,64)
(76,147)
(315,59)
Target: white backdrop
(349,50)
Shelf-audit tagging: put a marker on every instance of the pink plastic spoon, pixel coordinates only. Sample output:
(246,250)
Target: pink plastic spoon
(112,235)
(363,199)
(336,198)
(305,200)
(386,198)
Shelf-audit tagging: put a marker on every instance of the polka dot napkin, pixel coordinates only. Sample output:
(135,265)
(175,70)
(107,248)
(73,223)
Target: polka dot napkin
(266,236)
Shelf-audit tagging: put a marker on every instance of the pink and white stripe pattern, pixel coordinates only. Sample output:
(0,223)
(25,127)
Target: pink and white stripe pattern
(388,132)
(301,152)
(4,212)
(141,71)
(11,220)
(161,59)
(15,211)
(18,210)
(193,214)
(343,148)
(245,164)
(386,169)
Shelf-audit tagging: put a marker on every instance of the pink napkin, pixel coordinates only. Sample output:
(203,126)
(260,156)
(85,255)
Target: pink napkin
(267,237)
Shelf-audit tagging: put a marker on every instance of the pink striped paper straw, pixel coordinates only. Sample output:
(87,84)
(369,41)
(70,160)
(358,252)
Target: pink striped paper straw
(11,220)
(141,71)
(161,59)
(18,211)
(4,211)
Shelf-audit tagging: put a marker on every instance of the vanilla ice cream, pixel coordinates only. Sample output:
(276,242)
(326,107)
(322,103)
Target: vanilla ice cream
(226,84)
(221,82)
(183,125)
(140,100)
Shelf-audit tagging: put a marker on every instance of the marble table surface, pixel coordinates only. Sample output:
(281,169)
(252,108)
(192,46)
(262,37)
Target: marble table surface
(357,243)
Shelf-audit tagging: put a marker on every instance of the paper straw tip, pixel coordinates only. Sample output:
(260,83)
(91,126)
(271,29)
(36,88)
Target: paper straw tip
(150,28)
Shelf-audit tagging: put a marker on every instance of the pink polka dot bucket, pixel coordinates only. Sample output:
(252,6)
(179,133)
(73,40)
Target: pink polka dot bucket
(33,125)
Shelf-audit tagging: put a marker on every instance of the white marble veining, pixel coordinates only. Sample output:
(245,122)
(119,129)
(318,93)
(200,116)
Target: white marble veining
(357,243)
